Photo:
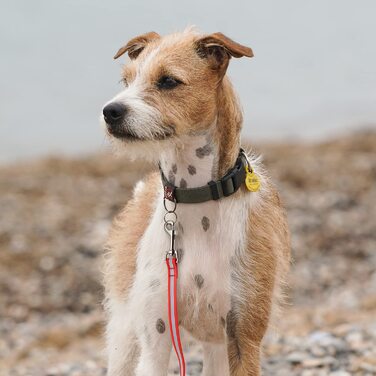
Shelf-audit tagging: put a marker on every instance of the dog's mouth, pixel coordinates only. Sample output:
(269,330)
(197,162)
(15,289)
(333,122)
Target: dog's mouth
(125,134)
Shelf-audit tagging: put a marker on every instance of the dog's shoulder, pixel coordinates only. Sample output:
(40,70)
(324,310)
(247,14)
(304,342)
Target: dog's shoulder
(268,232)
(141,205)
(267,218)
(126,232)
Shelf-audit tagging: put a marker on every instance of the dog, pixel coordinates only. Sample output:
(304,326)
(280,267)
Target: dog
(178,109)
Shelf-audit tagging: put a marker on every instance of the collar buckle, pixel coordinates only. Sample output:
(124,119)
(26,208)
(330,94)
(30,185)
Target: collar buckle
(215,189)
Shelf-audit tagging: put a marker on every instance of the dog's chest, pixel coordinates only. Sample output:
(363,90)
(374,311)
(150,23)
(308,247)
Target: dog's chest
(208,236)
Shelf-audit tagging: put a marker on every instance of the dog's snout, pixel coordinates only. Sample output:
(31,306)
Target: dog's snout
(114,113)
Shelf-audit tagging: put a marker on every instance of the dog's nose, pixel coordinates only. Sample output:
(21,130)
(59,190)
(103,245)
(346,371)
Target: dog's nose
(114,113)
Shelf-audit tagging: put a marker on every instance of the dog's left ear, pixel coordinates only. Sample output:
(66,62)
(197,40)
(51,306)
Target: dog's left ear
(137,44)
(218,49)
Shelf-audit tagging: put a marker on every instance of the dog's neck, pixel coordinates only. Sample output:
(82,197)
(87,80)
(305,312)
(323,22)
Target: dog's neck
(199,159)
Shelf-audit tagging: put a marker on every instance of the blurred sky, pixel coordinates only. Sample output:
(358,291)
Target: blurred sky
(313,75)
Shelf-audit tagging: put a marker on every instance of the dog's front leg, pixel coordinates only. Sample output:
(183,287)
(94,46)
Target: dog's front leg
(243,350)
(253,278)
(122,344)
(155,344)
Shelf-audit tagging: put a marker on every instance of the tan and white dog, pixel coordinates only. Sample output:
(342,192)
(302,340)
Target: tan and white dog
(178,108)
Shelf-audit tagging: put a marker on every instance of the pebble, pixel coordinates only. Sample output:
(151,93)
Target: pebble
(319,362)
(296,357)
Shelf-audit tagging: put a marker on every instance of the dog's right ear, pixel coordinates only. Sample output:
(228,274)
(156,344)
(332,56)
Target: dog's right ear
(137,44)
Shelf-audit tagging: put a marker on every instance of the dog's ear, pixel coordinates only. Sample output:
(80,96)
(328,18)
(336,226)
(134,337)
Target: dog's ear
(218,49)
(137,44)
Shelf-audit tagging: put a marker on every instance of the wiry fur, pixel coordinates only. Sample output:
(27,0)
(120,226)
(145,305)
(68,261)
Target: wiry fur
(234,252)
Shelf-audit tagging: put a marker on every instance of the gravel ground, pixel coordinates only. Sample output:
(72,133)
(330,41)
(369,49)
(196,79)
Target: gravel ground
(54,217)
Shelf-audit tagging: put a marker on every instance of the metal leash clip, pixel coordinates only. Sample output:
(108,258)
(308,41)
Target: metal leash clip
(170,229)
(170,219)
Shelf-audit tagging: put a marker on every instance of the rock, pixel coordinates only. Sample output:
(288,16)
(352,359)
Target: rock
(319,362)
(318,351)
(297,357)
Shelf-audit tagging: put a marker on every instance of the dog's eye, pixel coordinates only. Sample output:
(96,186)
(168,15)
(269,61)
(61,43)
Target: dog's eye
(168,82)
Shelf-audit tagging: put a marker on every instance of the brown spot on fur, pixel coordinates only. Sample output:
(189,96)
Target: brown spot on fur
(204,151)
(192,170)
(205,223)
(174,168)
(183,183)
(199,280)
(161,326)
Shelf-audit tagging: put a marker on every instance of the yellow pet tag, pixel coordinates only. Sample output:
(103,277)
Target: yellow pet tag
(252,181)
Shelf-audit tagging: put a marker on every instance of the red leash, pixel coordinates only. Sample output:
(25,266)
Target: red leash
(172,269)
(173,318)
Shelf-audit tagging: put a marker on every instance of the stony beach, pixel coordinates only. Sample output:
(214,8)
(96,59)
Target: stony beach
(54,217)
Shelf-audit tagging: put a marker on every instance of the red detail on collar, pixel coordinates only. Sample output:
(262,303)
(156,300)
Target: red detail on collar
(169,193)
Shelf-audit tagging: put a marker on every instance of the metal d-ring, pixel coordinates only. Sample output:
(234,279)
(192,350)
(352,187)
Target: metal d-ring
(165,206)
(173,219)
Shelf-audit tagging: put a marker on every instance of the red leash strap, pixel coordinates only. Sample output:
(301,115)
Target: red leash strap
(173,318)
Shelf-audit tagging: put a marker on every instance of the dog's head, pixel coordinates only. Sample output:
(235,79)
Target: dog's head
(170,88)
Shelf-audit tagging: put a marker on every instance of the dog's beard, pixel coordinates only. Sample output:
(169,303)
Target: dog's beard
(129,132)
(148,150)
(144,126)
(146,146)
(142,135)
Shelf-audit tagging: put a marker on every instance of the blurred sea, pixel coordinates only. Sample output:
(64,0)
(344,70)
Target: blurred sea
(313,75)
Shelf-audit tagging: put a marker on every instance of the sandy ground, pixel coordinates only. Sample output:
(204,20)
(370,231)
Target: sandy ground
(54,217)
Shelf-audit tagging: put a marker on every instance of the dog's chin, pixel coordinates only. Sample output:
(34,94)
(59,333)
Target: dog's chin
(127,133)
(141,148)
(124,136)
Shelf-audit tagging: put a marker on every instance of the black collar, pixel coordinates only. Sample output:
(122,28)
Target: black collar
(214,190)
